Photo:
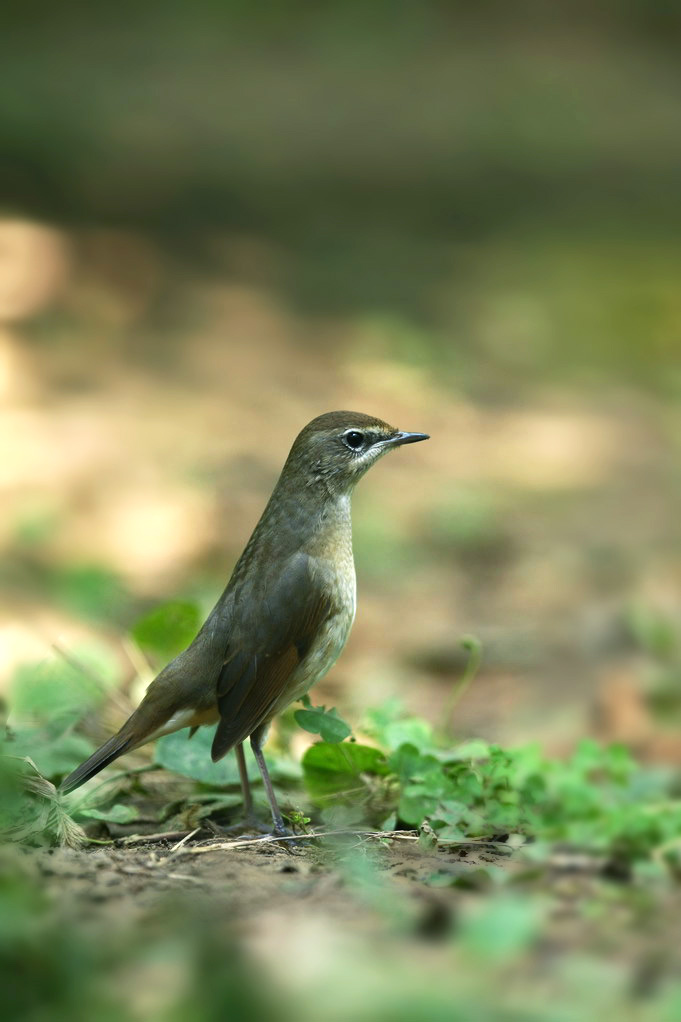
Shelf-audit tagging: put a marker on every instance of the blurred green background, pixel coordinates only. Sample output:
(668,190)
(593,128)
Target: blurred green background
(218,220)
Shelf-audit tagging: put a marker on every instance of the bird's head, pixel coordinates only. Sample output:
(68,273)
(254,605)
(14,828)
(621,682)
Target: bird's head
(337,448)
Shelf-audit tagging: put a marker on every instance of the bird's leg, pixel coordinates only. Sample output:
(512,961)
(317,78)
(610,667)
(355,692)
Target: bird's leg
(256,744)
(250,821)
(245,783)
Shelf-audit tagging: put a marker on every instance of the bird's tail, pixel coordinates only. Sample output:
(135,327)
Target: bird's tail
(104,755)
(164,709)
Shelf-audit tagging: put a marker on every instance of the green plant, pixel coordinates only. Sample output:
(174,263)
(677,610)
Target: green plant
(402,774)
(598,799)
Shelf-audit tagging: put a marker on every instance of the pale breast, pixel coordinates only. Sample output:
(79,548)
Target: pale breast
(330,550)
(329,641)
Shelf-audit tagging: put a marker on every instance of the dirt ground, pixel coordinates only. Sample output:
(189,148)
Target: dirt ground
(252,875)
(280,896)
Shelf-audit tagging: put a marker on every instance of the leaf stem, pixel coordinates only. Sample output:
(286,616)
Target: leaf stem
(474,648)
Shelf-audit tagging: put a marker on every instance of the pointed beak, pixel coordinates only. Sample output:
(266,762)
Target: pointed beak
(405,438)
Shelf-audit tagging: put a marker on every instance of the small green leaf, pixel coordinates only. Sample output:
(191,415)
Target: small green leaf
(476,748)
(427,840)
(412,730)
(320,721)
(415,805)
(167,630)
(114,814)
(409,764)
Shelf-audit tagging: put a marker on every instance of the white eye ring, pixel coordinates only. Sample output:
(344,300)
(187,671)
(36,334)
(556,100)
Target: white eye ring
(353,439)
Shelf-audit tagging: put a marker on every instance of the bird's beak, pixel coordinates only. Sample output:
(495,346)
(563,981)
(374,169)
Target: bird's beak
(404,438)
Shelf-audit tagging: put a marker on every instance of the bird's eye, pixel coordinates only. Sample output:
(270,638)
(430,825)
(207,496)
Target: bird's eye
(354,439)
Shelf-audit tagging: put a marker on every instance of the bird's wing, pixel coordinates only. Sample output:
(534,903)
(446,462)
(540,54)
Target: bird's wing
(268,641)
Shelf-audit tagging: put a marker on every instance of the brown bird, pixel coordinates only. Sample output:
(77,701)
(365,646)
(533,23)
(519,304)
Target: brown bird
(285,615)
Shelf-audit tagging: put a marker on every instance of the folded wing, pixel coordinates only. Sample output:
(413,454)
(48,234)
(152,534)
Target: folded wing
(273,628)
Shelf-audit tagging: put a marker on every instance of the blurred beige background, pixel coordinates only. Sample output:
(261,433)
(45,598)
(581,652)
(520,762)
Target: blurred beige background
(467,231)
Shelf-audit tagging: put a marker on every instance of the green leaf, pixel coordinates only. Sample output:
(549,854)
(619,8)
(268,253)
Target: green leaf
(654,632)
(91,591)
(12,797)
(415,805)
(412,730)
(53,756)
(56,692)
(409,764)
(334,768)
(503,926)
(343,815)
(114,814)
(167,630)
(476,748)
(191,758)
(320,721)
(48,698)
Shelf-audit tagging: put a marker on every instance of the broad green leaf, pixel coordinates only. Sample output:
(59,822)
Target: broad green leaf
(58,692)
(168,629)
(91,591)
(337,768)
(320,721)
(53,756)
(191,758)
(114,814)
(12,798)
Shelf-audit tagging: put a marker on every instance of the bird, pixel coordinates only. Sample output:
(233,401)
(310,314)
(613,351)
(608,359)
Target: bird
(284,617)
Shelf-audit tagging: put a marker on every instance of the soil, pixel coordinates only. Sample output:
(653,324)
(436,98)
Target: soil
(360,881)
(252,874)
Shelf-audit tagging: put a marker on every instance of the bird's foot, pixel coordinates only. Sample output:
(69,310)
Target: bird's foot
(247,826)
(281,831)
(250,826)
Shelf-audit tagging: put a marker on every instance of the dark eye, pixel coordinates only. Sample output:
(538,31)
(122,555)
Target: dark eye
(354,439)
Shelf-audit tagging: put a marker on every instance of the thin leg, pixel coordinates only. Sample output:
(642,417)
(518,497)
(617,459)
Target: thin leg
(279,828)
(245,783)
(250,820)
